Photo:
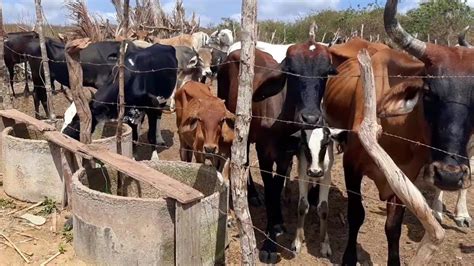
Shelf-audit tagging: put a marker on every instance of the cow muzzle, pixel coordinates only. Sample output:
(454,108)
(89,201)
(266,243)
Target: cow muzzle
(310,121)
(210,150)
(448,177)
(314,172)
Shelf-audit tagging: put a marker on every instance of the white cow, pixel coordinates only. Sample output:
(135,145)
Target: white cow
(315,160)
(221,39)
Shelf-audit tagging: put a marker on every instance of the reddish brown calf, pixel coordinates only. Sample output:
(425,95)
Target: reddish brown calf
(205,126)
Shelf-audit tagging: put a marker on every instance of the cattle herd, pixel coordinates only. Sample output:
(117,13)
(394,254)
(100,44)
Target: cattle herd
(307,98)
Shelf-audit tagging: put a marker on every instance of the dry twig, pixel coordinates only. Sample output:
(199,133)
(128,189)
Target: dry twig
(16,248)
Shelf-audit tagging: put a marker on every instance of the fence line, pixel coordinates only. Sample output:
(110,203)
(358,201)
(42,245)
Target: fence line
(255,65)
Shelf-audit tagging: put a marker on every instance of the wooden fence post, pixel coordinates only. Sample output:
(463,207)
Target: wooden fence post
(121,113)
(5,95)
(81,101)
(44,58)
(239,171)
(398,181)
(362,31)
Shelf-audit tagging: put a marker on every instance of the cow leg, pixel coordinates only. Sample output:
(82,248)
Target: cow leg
(159,138)
(26,92)
(252,196)
(12,75)
(437,205)
(268,252)
(273,188)
(462,217)
(185,152)
(393,229)
(303,204)
(323,211)
(355,211)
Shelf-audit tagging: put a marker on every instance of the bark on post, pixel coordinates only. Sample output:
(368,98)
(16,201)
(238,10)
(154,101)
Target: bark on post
(121,106)
(398,181)
(6,100)
(81,100)
(123,47)
(44,57)
(239,168)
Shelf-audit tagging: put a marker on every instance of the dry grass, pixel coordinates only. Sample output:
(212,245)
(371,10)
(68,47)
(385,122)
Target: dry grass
(146,18)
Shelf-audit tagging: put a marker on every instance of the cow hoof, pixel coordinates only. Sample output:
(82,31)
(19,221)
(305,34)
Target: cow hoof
(297,245)
(326,250)
(268,253)
(463,221)
(154,156)
(279,229)
(438,216)
(160,142)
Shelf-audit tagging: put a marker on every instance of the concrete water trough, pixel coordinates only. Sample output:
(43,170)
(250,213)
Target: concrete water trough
(143,228)
(31,172)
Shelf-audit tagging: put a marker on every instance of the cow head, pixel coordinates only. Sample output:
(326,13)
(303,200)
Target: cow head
(447,103)
(211,122)
(205,54)
(221,39)
(317,147)
(305,70)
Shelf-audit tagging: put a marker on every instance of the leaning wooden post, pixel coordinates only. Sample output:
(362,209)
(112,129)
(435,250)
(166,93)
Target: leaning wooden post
(239,168)
(44,57)
(5,95)
(81,102)
(400,184)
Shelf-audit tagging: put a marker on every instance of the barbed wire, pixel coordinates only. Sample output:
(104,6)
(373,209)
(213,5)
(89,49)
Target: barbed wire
(239,61)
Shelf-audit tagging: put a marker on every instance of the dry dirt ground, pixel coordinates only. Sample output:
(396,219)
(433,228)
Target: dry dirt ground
(40,243)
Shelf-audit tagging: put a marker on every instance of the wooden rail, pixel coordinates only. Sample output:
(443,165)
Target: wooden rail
(170,187)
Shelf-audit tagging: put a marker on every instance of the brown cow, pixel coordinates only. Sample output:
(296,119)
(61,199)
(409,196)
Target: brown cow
(400,115)
(205,126)
(296,98)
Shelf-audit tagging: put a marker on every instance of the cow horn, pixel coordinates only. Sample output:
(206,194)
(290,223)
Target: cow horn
(462,38)
(312,31)
(398,34)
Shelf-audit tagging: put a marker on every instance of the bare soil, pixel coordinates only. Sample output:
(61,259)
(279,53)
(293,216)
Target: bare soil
(457,249)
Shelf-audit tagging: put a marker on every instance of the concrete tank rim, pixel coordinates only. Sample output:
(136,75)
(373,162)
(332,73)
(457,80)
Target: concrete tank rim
(6,134)
(82,171)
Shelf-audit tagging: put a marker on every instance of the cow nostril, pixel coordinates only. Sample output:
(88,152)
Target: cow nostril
(210,149)
(309,118)
(314,173)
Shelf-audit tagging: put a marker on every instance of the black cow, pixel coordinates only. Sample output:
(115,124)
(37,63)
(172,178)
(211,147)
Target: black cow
(279,96)
(14,53)
(98,60)
(145,89)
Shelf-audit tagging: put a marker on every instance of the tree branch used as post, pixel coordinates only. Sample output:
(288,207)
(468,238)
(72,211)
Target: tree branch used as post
(5,95)
(81,101)
(239,169)
(121,106)
(362,31)
(44,58)
(398,181)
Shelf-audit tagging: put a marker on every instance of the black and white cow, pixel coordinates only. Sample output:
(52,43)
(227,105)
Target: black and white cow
(143,88)
(315,160)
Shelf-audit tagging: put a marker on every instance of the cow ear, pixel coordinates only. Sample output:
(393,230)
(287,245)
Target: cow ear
(401,102)
(273,84)
(230,119)
(228,128)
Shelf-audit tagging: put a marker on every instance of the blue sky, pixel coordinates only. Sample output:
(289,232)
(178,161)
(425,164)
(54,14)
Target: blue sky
(210,11)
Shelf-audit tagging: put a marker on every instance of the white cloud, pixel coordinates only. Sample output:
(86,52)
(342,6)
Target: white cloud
(23,11)
(288,10)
